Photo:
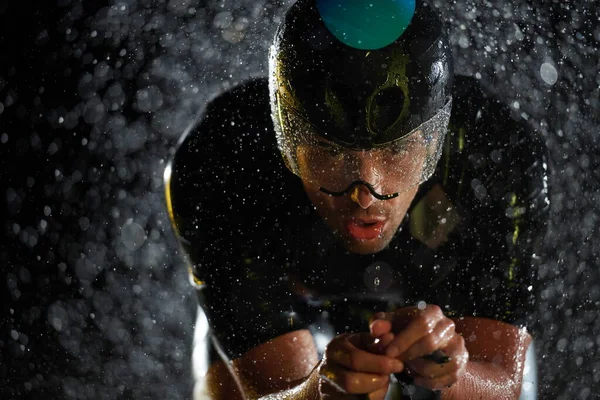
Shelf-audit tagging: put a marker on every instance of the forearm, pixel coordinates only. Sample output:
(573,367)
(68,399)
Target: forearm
(284,365)
(497,355)
(308,389)
(483,380)
(220,385)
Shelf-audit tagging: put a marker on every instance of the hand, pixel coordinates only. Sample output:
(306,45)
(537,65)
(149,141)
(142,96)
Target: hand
(354,365)
(418,332)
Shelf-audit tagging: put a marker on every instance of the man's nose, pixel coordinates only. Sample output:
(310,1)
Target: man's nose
(366,172)
(367,168)
(362,196)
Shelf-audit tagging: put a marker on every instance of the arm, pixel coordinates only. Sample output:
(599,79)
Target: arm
(279,364)
(287,367)
(496,358)
(512,226)
(486,356)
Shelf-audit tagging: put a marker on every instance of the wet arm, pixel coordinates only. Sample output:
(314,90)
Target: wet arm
(496,358)
(282,364)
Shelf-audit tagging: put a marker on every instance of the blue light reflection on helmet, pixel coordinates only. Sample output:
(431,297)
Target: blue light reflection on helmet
(366,24)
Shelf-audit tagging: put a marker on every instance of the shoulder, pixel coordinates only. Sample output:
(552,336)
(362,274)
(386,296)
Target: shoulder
(233,133)
(225,162)
(226,167)
(474,104)
(492,174)
(494,203)
(239,112)
(494,158)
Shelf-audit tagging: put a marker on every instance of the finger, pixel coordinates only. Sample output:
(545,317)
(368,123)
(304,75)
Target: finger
(441,335)
(352,382)
(381,323)
(380,327)
(393,321)
(420,326)
(432,370)
(346,353)
(403,316)
(378,394)
(380,343)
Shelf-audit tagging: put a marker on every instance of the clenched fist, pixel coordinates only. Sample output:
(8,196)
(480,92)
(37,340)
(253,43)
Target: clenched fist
(412,334)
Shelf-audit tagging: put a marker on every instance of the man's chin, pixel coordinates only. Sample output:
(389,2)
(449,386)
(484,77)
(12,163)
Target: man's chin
(365,246)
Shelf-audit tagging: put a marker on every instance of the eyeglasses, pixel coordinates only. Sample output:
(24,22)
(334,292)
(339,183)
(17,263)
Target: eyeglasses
(386,170)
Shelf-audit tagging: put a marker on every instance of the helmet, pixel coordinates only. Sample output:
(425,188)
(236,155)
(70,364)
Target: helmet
(342,108)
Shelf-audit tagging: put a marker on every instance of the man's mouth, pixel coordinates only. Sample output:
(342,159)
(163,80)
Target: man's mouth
(364,229)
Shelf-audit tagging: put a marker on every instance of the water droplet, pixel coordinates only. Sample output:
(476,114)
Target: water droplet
(133,235)
(548,73)
(378,276)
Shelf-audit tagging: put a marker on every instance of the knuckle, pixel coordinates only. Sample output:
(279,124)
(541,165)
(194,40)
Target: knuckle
(429,343)
(450,324)
(435,309)
(423,323)
(456,342)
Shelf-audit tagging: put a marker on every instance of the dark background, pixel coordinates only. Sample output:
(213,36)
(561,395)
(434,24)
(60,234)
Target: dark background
(95,301)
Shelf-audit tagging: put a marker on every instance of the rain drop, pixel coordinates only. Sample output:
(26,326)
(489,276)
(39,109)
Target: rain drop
(133,235)
(548,73)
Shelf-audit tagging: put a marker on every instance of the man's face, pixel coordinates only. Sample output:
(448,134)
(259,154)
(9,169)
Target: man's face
(363,223)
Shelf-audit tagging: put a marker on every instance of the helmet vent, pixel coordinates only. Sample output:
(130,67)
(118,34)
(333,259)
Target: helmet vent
(386,109)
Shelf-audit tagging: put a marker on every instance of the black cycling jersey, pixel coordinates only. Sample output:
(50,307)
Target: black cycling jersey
(266,264)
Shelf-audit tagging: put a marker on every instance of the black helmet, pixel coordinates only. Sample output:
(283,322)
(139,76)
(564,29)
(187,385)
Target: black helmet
(325,91)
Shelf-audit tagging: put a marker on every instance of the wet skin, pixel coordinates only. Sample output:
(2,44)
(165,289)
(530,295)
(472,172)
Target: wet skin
(360,207)
(413,338)
(361,363)
(364,223)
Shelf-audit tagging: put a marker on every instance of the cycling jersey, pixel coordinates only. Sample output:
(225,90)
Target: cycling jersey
(265,263)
